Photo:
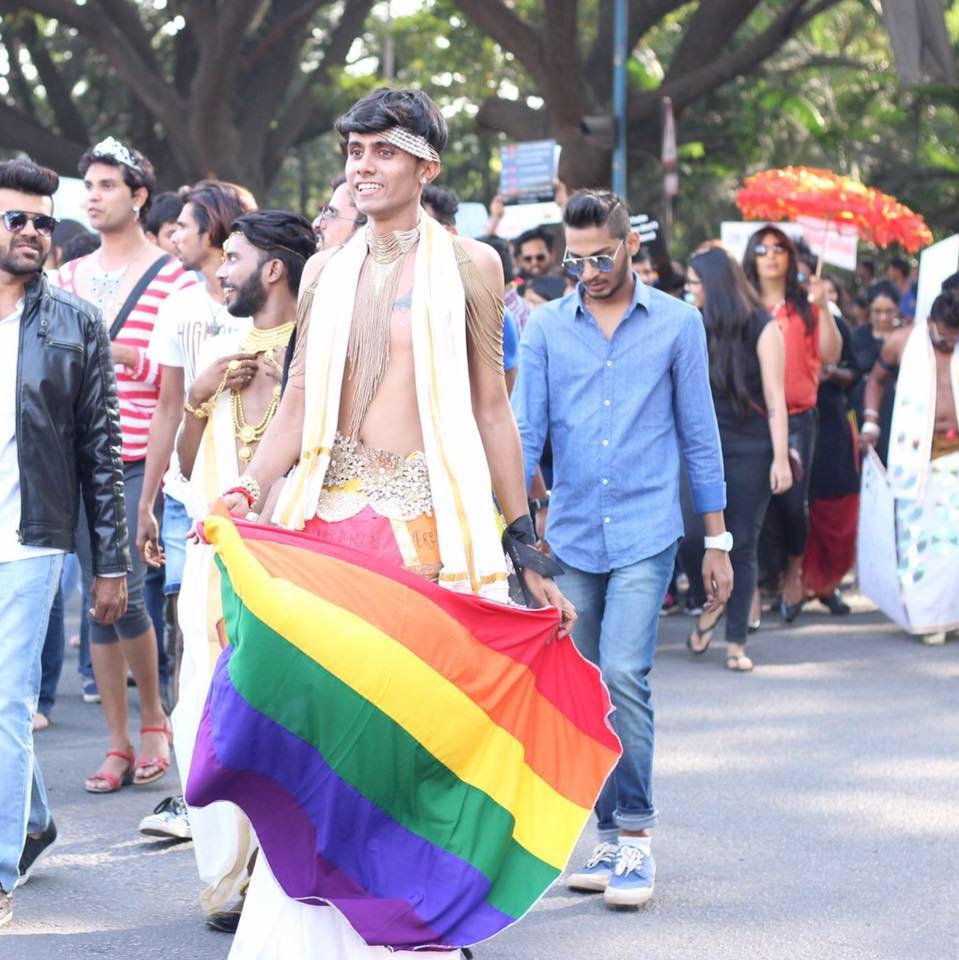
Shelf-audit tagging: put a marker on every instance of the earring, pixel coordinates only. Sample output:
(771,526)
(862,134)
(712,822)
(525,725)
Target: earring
(136,211)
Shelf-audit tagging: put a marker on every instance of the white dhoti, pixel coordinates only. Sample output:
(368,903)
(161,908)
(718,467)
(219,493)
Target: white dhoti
(275,927)
(223,840)
(909,549)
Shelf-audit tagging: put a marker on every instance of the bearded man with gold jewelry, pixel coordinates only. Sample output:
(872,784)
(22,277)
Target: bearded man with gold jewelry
(396,423)
(229,405)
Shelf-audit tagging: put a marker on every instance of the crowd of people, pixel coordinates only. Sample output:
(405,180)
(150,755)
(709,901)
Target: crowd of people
(636,433)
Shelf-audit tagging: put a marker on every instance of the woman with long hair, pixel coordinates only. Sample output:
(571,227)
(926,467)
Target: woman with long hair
(746,368)
(811,339)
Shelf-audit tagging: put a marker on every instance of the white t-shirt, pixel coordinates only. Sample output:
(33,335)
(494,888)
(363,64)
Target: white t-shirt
(185,319)
(10,546)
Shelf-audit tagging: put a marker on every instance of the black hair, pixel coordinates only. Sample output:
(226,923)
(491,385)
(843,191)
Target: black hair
(900,264)
(730,306)
(945,308)
(867,263)
(79,245)
(951,283)
(534,233)
(642,255)
(883,288)
(282,235)
(66,230)
(385,108)
(444,203)
(216,205)
(598,208)
(501,246)
(27,177)
(795,295)
(143,175)
(549,288)
(165,208)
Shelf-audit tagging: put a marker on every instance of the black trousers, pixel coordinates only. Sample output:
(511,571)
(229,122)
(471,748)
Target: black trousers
(746,460)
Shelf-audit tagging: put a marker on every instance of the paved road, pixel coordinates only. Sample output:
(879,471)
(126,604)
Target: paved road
(810,810)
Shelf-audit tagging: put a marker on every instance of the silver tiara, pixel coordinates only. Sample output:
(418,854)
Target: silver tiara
(405,139)
(111,147)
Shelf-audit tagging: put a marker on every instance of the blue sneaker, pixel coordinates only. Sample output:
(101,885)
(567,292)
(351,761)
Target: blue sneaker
(90,692)
(595,876)
(634,875)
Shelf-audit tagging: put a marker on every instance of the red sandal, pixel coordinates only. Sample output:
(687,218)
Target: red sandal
(111,779)
(162,763)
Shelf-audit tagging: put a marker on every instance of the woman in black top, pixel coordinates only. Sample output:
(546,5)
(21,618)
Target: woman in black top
(746,373)
(867,340)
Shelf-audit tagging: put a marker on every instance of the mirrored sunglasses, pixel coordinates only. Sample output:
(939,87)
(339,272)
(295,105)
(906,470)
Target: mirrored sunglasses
(762,249)
(603,262)
(16,220)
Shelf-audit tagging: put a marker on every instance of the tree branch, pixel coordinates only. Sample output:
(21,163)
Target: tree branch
(124,15)
(504,25)
(279,32)
(69,119)
(312,99)
(20,132)
(514,118)
(711,27)
(742,60)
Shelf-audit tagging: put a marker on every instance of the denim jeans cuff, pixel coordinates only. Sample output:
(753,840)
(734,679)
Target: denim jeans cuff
(608,835)
(637,821)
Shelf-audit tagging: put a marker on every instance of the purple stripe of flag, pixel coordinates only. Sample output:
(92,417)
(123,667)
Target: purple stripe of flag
(329,814)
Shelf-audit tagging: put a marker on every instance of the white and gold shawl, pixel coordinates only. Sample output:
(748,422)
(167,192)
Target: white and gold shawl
(469,539)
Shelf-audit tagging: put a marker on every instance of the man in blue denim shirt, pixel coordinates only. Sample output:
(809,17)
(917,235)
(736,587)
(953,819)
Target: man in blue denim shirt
(618,374)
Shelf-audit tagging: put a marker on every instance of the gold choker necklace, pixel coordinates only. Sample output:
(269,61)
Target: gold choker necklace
(390,248)
(261,341)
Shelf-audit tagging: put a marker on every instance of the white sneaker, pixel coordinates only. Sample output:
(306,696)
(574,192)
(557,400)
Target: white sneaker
(595,876)
(169,819)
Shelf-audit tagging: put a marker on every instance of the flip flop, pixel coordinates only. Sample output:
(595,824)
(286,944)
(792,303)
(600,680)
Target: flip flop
(699,634)
(739,663)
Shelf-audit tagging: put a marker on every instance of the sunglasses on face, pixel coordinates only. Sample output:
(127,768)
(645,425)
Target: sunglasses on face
(603,262)
(534,258)
(762,249)
(16,220)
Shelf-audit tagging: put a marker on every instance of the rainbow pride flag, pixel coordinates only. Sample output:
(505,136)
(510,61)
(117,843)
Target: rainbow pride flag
(422,760)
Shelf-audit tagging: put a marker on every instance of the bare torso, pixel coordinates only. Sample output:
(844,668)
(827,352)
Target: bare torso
(89,266)
(946,420)
(256,397)
(392,421)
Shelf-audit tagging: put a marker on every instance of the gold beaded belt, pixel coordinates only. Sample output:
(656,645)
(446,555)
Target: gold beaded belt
(393,486)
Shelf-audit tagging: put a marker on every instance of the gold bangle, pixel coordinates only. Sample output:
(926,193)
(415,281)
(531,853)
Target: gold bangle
(200,412)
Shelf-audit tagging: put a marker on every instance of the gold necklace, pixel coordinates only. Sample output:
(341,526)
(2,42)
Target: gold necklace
(391,247)
(250,434)
(267,340)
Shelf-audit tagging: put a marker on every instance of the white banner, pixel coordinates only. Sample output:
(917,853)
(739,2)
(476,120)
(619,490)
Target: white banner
(841,242)
(937,262)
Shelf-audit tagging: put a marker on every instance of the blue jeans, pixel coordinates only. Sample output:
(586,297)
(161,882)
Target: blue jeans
(616,630)
(27,589)
(51,659)
(177,524)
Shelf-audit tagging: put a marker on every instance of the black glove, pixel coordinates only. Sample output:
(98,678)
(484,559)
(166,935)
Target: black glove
(519,542)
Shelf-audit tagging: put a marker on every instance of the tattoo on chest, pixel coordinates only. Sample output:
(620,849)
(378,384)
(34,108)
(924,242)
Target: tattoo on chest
(404,304)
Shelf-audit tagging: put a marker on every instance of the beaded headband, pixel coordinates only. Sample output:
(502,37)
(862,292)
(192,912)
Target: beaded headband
(271,246)
(111,147)
(413,143)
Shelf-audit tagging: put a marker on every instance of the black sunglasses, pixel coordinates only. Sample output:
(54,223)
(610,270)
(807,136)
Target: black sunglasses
(16,220)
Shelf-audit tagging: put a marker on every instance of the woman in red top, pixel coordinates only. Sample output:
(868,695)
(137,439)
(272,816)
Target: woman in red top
(811,338)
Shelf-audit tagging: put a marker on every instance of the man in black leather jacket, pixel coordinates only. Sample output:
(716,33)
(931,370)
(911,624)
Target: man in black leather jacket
(59,438)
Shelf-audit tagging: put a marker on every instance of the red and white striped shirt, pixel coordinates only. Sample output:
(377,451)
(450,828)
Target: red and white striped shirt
(139,389)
